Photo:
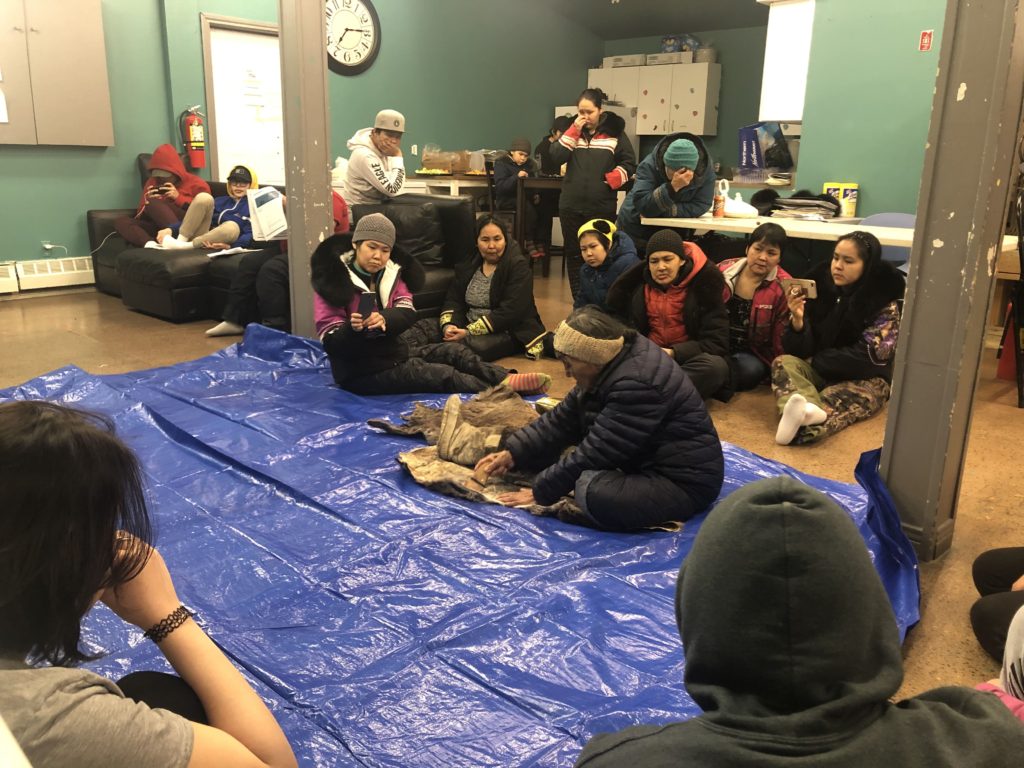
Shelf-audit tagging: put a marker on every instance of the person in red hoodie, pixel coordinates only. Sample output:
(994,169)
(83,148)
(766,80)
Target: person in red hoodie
(165,196)
(676,300)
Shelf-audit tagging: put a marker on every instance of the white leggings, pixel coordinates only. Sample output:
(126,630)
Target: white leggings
(195,227)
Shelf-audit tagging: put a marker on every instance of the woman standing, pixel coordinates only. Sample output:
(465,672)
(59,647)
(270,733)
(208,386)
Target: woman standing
(840,346)
(600,160)
(490,306)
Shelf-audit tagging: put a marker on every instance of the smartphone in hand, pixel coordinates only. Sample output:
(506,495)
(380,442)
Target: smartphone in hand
(367,306)
(794,286)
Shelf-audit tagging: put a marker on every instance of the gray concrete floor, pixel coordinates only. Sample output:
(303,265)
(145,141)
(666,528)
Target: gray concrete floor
(98,334)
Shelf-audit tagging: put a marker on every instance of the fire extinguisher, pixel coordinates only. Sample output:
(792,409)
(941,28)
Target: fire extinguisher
(193,136)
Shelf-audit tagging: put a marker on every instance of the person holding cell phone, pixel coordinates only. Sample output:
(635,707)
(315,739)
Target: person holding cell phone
(840,345)
(363,303)
(166,196)
(599,160)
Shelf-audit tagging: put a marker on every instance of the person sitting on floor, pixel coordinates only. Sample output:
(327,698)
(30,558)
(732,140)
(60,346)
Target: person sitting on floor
(675,300)
(228,215)
(646,450)
(1009,686)
(793,654)
(489,306)
(758,310)
(999,579)
(259,290)
(677,180)
(607,253)
(848,333)
(507,172)
(74,531)
(363,303)
(376,169)
(166,196)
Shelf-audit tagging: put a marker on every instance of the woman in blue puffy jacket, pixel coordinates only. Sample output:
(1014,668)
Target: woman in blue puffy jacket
(607,253)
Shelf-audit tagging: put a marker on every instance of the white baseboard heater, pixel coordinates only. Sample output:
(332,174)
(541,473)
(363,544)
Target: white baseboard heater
(53,273)
(8,278)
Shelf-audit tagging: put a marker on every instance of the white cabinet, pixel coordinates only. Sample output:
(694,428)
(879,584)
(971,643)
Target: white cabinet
(669,97)
(620,83)
(653,113)
(694,98)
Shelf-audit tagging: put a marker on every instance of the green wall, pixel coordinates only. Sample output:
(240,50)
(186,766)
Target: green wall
(869,97)
(45,191)
(741,54)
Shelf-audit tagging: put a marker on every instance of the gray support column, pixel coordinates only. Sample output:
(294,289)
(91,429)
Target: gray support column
(307,161)
(960,217)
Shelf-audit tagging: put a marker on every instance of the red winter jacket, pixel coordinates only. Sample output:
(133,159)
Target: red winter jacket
(769,311)
(189,185)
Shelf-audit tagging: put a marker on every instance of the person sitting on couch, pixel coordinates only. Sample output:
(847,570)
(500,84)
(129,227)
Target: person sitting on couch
(376,169)
(362,304)
(166,196)
(227,214)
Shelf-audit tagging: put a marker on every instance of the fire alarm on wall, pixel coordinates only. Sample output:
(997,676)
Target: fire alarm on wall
(925,43)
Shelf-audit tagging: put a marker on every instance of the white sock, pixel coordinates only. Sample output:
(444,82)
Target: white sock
(226,329)
(176,243)
(792,419)
(813,415)
(152,244)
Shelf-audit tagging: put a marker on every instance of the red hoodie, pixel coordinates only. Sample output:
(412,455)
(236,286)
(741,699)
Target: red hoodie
(189,185)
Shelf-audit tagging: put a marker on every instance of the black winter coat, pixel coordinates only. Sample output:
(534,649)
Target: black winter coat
(506,180)
(849,333)
(643,416)
(704,311)
(512,306)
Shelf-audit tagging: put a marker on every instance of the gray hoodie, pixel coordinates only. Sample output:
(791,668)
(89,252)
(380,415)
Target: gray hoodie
(792,652)
(371,176)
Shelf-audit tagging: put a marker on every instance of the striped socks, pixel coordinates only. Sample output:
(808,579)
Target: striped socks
(528,383)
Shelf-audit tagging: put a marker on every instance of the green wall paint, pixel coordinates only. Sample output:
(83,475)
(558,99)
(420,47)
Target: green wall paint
(869,98)
(741,54)
(45,191)
(466,74)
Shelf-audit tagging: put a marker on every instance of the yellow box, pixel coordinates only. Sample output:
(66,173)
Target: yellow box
(846,193)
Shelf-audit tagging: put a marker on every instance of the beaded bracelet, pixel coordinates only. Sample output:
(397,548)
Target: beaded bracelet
(159,631)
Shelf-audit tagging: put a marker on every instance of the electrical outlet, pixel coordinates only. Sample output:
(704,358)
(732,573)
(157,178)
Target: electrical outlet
(47,245)
(414,149)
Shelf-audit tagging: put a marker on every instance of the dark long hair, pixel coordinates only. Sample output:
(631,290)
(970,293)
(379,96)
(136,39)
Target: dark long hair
(70,488)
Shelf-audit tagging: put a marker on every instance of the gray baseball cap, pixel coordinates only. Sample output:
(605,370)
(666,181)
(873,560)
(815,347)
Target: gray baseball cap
(390,120)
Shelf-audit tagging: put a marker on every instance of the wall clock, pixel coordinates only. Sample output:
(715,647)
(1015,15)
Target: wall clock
(353,35)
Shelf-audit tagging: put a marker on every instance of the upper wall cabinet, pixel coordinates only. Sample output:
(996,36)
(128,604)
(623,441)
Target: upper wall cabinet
(54,66)
(668,97)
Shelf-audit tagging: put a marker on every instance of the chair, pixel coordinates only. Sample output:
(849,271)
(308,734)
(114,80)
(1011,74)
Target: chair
(896,254)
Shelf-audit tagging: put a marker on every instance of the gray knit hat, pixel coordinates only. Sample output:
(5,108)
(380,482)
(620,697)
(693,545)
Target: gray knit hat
(374,226)
(520,144)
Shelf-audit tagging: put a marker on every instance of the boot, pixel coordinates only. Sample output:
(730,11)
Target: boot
(462,443)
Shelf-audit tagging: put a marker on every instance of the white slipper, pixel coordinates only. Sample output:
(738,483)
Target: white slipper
(226,329)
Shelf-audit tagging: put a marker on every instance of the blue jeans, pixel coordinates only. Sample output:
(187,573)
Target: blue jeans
(748,370)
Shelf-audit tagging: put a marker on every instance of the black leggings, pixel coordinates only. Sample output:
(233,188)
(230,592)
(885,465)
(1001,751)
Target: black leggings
(162,691)
(994,573)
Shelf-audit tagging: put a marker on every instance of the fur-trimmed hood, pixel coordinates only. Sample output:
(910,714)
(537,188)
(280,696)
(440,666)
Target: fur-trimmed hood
(841,314)
(610,124)
(703,159)
(331,278)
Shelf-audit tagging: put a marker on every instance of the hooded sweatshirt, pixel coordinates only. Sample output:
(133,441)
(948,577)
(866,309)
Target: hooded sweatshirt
(189,185)
(226,208)
(372,177)
(652,194)
(792,652)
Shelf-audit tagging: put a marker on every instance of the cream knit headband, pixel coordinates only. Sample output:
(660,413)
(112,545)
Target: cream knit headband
(579,346)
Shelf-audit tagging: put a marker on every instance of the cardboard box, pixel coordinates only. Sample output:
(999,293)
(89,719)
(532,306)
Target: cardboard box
(679,57)
(632,60)
(846,193)
(460,161)
(438,161)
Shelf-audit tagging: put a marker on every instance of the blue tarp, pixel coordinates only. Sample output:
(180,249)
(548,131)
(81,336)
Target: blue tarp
(387,625)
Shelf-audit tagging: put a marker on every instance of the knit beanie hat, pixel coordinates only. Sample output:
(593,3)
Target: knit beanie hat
(682,153)
(666,240)
(519,144)
(571,343)
(374,226)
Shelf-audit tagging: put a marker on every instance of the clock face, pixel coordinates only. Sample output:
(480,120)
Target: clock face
(353,35)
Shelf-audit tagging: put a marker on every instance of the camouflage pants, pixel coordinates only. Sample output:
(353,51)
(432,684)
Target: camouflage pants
(845,403)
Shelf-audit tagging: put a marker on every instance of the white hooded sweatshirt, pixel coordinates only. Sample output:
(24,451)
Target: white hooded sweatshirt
(371,177)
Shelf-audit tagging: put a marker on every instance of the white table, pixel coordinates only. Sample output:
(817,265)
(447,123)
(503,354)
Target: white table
(443,185)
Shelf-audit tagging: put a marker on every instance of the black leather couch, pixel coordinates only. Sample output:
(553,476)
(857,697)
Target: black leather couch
(187,285)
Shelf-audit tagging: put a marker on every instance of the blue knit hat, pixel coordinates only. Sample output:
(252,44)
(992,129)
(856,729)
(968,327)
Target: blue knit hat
(682,153)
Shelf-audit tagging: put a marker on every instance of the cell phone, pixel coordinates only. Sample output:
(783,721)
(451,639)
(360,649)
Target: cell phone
(794,286)
(367,304)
